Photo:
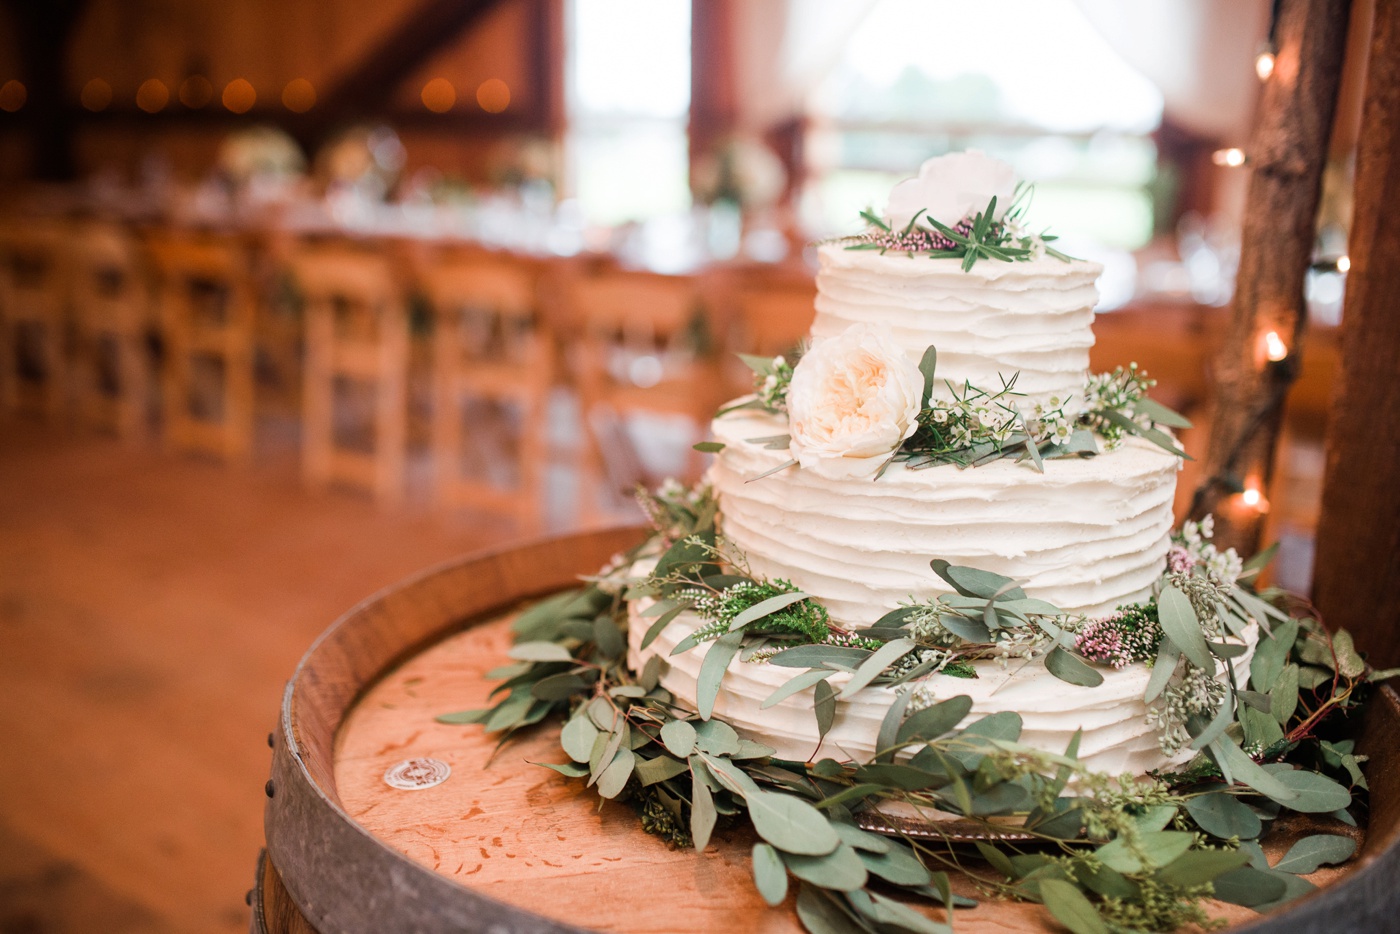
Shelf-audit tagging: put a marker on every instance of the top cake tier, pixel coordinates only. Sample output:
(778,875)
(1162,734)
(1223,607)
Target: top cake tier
(1033,317)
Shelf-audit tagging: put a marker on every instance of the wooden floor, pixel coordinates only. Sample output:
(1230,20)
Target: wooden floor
(151,608)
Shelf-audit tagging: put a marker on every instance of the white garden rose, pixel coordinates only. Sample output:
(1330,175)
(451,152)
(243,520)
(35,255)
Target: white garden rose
(853,400)
(949,188)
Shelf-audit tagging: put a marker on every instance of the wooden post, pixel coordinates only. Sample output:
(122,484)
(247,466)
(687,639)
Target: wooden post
(1286,155)
(1357,578)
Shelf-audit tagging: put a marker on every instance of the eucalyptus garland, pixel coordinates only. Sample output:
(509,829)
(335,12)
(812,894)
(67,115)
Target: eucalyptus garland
(1102,853)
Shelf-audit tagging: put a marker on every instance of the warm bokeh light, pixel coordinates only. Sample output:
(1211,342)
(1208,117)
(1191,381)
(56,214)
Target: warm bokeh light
(196,91)
(1252,498)
(493,95)
(1264,65)
(1232,157)
(96,95)
(1274,347)
(239,96)
(299,96)
(152,95)
(1343,263)
(13,94)
(439,95)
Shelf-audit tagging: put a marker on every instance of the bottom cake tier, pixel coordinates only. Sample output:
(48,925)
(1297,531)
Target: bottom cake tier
(1116,740)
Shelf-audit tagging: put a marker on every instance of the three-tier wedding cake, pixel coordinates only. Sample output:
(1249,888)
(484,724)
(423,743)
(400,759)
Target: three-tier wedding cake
(848,474)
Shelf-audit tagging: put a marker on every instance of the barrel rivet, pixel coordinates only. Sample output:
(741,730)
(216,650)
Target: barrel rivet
(268,788)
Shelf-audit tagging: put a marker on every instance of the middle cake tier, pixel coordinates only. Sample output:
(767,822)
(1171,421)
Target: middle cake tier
(1086,534)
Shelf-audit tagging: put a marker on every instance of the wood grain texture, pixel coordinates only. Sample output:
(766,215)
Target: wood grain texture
(503,831)
(1286,154)
(1358,548)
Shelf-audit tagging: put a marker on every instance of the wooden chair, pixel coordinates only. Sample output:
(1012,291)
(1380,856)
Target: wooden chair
(639,352)
(357,338)
(490,344)
(208,313)
(33,316)
(774,318)
(111,304)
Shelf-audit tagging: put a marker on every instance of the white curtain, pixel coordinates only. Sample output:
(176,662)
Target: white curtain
(783,49)
(1199,53)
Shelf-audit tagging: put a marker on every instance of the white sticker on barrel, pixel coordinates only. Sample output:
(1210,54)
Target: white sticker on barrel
(417,774)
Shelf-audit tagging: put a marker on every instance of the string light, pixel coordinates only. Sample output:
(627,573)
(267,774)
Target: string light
(1231,158)
(1264,64)
(96,95)
(299,96)
(493,95)
(1274,347)
(239,95)
(152,95)
(196,91)
(1343,263)
(13,94)
(439,95)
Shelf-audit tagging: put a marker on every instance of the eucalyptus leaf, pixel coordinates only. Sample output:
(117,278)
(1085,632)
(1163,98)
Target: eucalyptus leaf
(709,447)
(934,721)
(766,608)
(928,366)
(651,771)
(716,737)
(1162,670)
(824,706)
(539,652)
(791,824)
(1312,793)
(1283,696)
(1071,908)
(1216,728)
(464,716)
(840,870)
(872,667)
(966,628)
(973,582)
(569,769)
(1198,867)
(1293,887)
(678,736)
(614,778)
(1179,624)
(1248,887)
(577,738)
(1071,669)
(819,913)
(1270,655)
(886,739)
(1244,769)
(858,839)
(1320,849)
(893,915)
(1224,816)
(731,776)
(794,685)
(997,860)
(712,669)
(769,874)
(1349,661)
(1154,850)
(816,656)
(702,808)
(557,687)
(662,622)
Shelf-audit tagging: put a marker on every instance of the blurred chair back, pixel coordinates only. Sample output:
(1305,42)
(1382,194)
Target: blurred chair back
(774,318)
(490,345)
(208,314)
(111,303)
(33,315)
(357,338)
(642,349)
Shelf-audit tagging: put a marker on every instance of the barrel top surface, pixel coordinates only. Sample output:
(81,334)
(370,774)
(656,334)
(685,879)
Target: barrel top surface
(520,833)
(504,844)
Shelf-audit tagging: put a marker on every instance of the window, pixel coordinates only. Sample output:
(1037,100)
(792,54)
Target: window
(1028,81)
(628,85)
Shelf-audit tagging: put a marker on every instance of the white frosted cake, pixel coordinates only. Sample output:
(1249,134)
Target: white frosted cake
(1086,534)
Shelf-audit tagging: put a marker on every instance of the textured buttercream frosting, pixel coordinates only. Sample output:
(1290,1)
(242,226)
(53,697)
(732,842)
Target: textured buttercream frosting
(1087,534)
(996,319)
(1116,739)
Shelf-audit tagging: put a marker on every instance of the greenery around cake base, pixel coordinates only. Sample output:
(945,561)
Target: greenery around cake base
(1103,853)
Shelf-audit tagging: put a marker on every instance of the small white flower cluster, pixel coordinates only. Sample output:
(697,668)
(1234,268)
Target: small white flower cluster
(1023,642)
(772,387)
(926,624)
(1048,420)
(1197,692)
(974,420)
(1117,391)
(1194,543)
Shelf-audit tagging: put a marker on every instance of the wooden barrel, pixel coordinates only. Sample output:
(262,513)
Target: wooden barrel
(506,846)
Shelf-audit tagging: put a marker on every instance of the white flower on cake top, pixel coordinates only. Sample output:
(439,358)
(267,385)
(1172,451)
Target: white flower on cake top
(854,399)
(952,187)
